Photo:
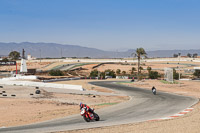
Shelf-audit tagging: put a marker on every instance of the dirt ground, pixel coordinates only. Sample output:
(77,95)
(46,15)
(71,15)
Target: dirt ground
(153,65)
(188,123)
(26,111)
(30,65)
(158,66)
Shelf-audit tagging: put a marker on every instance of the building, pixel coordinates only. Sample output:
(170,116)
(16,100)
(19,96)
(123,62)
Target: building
(29,57)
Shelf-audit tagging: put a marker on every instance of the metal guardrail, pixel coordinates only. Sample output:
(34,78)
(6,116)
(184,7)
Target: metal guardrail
(61,79)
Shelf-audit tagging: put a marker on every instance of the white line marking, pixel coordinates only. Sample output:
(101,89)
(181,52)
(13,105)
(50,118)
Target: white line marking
(165,118)
(178,114)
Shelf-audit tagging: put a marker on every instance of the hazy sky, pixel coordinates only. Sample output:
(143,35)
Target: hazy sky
(104,24)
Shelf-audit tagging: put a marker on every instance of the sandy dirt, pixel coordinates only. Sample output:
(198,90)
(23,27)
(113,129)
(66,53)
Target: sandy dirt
(158,66)
(188,123)
(30,65)
(26,111)
(153,65)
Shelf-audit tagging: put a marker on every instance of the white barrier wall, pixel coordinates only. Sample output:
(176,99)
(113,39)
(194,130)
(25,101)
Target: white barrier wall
(10,81)
(18,76)
(121,77)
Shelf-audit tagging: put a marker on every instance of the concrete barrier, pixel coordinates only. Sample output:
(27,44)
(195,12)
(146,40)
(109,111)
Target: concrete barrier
(18,76)
(40,84)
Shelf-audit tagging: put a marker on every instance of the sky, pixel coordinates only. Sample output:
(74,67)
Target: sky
(115,25)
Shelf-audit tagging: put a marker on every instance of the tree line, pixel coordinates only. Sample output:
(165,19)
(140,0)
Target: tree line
(189,55)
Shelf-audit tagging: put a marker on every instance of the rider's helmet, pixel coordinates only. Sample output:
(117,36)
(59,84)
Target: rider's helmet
(81,104)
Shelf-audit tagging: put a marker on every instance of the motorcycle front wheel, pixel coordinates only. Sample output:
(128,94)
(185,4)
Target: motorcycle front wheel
(87,119)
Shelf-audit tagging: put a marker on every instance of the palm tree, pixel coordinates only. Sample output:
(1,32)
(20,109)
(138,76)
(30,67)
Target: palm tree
(139,53)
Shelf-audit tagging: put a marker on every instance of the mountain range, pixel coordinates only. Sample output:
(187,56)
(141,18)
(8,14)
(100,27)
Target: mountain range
(54,50)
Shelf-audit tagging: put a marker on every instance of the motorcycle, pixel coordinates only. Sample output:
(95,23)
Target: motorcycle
(154,91)
(88,116)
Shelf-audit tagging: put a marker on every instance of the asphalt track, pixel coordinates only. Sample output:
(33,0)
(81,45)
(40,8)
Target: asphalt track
(143,106)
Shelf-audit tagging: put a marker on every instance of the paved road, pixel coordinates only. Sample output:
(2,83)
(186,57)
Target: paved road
(143,106)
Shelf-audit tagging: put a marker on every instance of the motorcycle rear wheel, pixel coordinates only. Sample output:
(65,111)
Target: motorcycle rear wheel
(96,116)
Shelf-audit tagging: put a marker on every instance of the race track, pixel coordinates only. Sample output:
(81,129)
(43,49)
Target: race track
(143,106)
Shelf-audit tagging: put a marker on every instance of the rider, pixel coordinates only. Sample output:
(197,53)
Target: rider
(154,90)
(87,107)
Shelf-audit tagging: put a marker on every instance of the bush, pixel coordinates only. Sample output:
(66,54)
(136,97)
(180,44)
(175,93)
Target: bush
(149,69)
(118,71)
(56,73)
(109,72)
(153,75)
(175,74)
(94,73)
(5,59)
(124,72)
(197,73)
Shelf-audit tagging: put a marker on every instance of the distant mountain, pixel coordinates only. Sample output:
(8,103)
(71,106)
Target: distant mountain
(53,50)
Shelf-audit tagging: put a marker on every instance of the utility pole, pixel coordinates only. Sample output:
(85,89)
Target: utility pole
(179,75)
(61,53)
(40,55)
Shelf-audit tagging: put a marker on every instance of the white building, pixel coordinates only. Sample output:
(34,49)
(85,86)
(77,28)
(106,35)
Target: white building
(29,57)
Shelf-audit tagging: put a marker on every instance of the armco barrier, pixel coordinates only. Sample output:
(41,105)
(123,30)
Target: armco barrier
(61,79)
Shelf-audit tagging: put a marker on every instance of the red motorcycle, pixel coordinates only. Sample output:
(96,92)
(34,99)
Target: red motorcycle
(88,116)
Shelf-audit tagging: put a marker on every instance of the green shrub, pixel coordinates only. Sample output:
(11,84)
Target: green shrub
(109,72)
(175,74)
(153,75)
(94,73)
(56,73)
(197,73)
(118,71)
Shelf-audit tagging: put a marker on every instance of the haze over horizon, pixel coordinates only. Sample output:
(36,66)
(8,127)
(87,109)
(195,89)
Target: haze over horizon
(107,24)
(114,50)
